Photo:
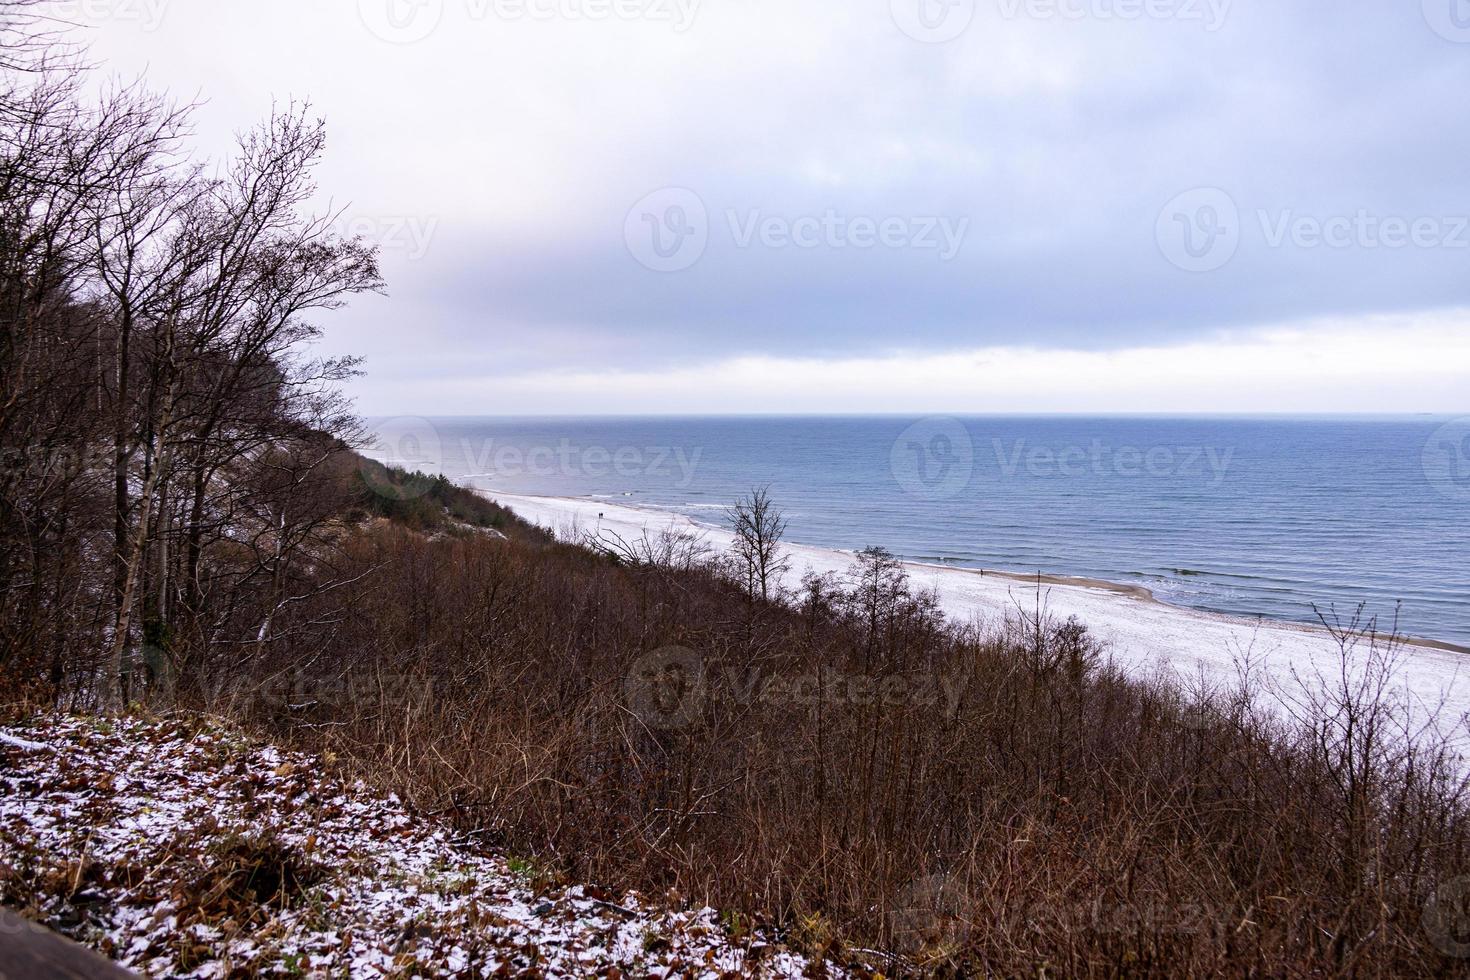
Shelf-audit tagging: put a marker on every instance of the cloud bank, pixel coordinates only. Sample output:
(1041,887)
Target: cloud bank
(584,192)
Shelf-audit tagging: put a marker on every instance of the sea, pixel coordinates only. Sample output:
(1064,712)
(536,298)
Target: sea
(1291,518)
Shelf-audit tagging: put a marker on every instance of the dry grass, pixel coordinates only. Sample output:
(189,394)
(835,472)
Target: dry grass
(245,876)
(866,777)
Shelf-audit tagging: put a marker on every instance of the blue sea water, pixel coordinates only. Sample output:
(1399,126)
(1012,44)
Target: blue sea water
(1274,517)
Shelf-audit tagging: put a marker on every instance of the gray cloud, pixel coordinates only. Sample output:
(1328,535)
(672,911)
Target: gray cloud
(1057,134)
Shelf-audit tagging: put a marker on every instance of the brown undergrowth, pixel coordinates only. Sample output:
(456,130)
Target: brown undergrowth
(879,783)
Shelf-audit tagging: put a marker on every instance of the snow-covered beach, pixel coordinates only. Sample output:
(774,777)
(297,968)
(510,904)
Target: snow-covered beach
(1145,636)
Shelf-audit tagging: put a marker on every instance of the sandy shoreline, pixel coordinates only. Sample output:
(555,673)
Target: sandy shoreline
(1143,593)
(1143,634)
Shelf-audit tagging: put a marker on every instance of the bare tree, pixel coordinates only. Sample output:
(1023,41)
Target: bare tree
(668,550)
(155,314)
(879,589)
(32,38)
(759,526)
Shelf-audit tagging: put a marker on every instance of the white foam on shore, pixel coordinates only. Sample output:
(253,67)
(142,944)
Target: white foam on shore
(1144,636)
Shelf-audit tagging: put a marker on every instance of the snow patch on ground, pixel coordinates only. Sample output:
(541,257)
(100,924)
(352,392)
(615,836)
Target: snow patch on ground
(120,834)
(22,744)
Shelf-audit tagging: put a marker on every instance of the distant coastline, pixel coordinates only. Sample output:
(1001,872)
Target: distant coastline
(582,507)
(1145,594)
(1242,518)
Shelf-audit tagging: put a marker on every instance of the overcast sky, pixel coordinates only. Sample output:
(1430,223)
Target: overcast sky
(871,205)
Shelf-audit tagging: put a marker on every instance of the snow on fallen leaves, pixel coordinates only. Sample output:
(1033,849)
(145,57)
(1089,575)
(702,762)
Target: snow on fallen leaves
(194,852)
